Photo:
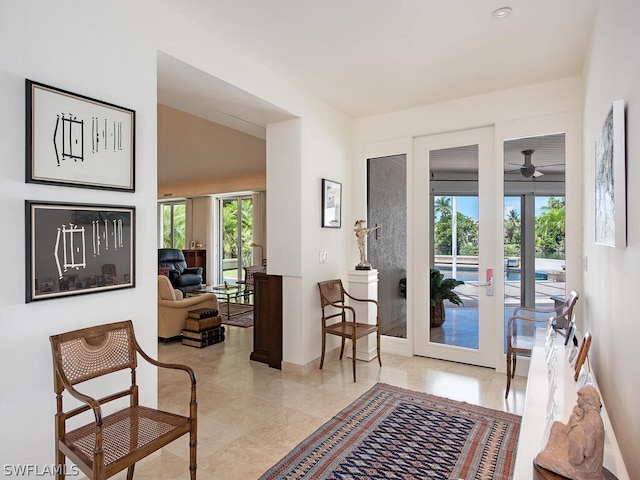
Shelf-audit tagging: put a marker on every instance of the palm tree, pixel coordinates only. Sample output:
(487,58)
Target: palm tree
(511,225)
(173,238)
(442,207)
(230,230)
(550,225)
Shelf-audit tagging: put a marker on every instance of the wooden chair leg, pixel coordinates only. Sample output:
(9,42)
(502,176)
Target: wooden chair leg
(60,463)
(342,348)
(353,359)
(506,393)
(513,365)
(130,472)
(193,436)
(324,342)
(193,464)
(378,348)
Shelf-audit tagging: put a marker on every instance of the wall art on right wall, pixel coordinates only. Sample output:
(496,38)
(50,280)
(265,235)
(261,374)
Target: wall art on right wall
(610,180)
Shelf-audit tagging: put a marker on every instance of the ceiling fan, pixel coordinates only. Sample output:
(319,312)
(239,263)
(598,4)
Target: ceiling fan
(528,169)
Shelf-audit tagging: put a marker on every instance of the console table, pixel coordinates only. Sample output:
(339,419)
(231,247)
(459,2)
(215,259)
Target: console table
(535,415)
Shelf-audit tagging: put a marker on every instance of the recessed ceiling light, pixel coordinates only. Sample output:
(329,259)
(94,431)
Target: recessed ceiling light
(501,12)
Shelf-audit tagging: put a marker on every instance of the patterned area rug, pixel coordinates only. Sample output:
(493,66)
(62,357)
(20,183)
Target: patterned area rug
(393,433)
(244,321)
(241,315)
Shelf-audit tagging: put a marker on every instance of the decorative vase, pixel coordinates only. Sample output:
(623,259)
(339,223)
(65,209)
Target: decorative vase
(437,314)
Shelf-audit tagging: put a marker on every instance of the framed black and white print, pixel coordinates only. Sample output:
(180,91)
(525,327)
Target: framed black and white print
(75,249)
(610,180)
(331,204)
(78,141)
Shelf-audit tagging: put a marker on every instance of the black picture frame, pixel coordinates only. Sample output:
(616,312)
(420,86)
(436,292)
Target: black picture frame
(78,141)
(331,204)
(75,249)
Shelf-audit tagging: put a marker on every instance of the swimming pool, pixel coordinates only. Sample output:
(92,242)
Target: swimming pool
(470,273)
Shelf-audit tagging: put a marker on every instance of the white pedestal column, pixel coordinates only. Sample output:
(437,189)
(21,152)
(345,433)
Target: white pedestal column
(364,284)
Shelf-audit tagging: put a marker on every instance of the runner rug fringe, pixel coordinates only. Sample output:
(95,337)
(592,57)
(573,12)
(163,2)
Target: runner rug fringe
(394,433)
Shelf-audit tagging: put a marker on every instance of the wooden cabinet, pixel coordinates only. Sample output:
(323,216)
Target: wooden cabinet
(267,320)
(197,258)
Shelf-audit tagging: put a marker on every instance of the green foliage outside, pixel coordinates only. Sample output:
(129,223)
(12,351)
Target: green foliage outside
(230,230)
(467,230)
(550,226)
(550,229)
(173,238)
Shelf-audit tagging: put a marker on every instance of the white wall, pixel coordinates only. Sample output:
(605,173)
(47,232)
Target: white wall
(58,43)
(109,51)
(612,281)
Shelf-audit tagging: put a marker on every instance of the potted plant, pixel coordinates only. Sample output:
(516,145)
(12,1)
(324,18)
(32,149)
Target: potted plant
(441,290)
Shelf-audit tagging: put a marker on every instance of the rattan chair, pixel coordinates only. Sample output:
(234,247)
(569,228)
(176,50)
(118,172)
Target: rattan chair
(111,443)
(521,330)
(332,297)
(248,284)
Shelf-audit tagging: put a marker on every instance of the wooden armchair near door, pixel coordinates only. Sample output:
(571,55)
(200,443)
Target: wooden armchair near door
(332,298)
(521,327)
(110,443)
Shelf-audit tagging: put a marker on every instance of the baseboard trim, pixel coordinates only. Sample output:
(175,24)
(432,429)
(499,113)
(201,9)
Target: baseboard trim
(308,367)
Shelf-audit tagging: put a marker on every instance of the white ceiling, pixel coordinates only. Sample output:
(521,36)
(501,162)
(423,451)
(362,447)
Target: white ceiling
(367,57)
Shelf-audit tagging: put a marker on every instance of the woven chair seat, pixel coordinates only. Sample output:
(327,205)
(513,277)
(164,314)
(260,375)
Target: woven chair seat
(125,432)
(361,329)
(112,443)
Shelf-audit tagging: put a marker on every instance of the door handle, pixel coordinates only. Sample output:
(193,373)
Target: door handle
(489,283)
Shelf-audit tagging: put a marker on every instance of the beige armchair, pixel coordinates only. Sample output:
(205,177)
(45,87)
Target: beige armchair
(173,308)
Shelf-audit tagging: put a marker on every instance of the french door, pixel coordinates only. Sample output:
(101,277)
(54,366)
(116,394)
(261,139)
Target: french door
(236,230)
(457,220)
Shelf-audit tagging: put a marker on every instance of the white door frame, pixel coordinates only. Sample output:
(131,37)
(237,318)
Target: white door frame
(533,126)
(490,212)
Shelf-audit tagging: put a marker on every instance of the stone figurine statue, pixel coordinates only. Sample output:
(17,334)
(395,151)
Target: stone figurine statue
(576,450)
(362,232)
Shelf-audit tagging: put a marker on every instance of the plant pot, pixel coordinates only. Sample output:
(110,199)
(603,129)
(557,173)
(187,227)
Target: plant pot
(437,314)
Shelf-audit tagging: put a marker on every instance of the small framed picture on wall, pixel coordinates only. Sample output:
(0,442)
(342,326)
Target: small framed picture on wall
(331,204)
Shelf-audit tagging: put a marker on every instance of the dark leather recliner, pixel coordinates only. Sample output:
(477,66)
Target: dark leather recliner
(184,278)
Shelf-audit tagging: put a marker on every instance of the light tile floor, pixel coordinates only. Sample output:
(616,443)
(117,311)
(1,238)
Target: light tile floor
(250,415)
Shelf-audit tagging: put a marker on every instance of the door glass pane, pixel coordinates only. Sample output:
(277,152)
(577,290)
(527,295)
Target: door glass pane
(167,240)
(230,250)
(455,214)
(173,225)
(534,222)
(179,216)
(237,236)
(247,232)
